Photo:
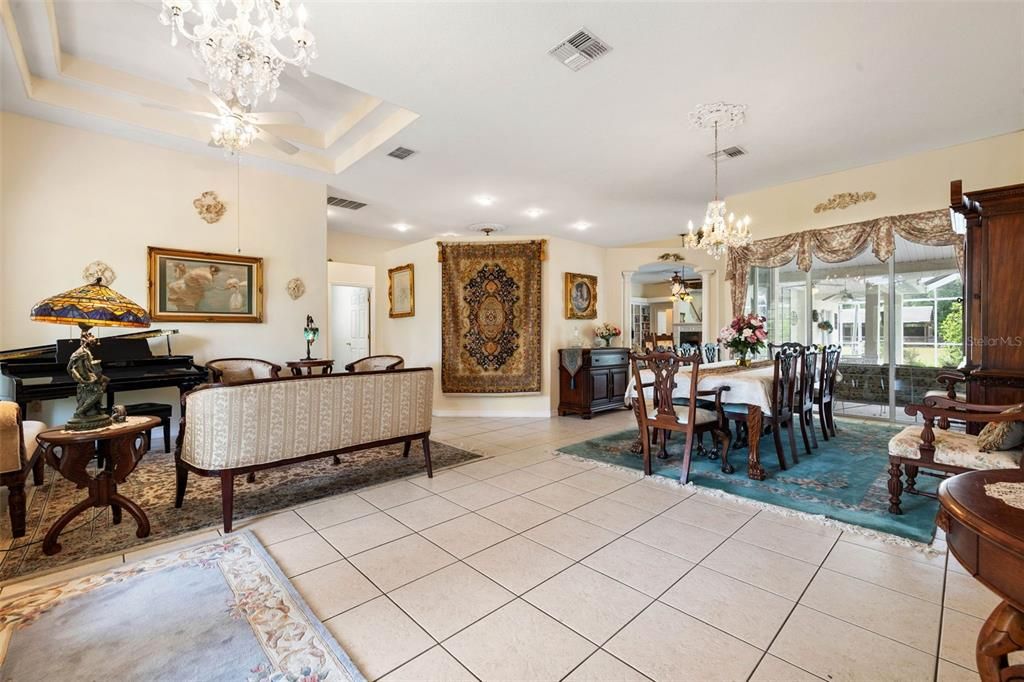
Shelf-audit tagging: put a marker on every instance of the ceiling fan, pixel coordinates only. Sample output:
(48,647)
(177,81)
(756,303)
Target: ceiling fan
(235,128)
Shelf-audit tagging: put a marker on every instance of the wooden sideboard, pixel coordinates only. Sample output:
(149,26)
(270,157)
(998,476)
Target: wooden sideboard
(993,308)
(598,385)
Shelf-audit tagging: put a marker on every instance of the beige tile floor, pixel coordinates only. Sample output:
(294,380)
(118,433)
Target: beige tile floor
(530,566)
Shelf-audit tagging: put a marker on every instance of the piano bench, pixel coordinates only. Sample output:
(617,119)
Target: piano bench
(153,410)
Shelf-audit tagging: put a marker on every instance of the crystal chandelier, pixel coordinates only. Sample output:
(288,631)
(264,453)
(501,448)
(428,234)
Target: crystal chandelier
(240,52)
(679,290)
(720,231)
(233,133)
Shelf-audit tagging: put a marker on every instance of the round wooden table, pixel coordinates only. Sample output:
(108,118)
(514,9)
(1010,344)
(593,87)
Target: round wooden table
(297,366)
(987,536)
(118,448)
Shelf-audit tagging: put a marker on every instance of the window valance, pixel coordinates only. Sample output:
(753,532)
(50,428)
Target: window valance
(840,243)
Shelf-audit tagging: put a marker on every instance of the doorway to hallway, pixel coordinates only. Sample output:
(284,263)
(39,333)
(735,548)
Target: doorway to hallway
(350,323)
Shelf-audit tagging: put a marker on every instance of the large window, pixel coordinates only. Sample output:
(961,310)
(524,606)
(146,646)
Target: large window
(848,304)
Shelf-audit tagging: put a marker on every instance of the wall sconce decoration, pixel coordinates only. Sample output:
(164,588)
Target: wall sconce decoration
(311,333)
(296,288)
(209,206)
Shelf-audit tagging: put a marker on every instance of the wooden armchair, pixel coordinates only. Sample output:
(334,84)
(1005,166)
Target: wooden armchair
(235,370)
(663,417)
(376,363)
(19,454)
(944,451)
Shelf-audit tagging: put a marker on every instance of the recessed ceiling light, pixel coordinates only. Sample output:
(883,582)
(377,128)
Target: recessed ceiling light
(402,227)
(484,199)
(534,212)
(581,225)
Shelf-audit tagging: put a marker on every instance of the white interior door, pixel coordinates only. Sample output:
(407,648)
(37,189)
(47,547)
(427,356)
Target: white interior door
(350,319)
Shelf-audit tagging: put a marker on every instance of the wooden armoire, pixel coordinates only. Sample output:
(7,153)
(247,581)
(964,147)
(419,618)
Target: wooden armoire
(993,292)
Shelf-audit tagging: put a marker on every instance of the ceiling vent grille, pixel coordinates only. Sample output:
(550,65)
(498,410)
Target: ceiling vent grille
(345,203)
(580,49)
(729,153)
(401,153)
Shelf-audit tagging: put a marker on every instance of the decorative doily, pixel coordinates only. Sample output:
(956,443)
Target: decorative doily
(1010,493)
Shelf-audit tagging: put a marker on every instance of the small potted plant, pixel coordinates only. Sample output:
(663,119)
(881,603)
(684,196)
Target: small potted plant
(745,336)
(606,331)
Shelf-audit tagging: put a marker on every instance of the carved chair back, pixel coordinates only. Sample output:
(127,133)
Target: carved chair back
(785,378)
(830,355)
(711,352)
(808,377)
(664,366)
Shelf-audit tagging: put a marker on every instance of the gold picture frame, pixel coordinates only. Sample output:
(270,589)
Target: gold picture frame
(580,296)
(197,286)
(402,291)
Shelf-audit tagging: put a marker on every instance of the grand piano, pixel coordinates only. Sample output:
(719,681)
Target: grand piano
(40,372)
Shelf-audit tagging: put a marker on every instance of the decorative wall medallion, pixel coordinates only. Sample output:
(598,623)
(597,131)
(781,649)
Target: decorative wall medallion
(210,208)
(296,288)
(844,200)
(672,257)
(101,271)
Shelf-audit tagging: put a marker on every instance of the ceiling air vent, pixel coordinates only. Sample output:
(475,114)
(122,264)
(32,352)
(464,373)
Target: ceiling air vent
(729,153)
(580,49)
(401,153)
(345,203)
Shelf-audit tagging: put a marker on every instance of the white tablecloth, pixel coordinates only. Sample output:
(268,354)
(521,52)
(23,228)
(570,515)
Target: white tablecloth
(749,386)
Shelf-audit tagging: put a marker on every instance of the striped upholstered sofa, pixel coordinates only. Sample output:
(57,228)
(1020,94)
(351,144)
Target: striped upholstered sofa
(227,430)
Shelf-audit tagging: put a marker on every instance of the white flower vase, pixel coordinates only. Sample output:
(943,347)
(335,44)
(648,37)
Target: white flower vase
(599,342)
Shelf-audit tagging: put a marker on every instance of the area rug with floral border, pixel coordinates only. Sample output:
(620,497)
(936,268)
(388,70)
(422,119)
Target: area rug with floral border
(844,479)
(151,485)
(220,609)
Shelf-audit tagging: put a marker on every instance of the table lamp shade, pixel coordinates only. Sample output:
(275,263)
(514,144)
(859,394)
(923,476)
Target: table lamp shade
(91,305)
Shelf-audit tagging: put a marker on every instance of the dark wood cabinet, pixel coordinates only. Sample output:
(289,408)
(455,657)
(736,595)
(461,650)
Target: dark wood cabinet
(993,305)
(598,384)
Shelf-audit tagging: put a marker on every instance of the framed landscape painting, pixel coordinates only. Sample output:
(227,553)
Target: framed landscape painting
(193,286)
(580,296)
(401,291)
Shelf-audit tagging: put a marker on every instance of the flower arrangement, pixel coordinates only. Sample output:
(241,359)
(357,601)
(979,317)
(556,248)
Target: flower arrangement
(744,336)
(606,331)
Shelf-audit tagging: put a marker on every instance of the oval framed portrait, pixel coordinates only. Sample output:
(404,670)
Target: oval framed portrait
(580,296)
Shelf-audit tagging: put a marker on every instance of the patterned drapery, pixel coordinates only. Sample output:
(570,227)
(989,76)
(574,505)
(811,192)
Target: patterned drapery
(838,244)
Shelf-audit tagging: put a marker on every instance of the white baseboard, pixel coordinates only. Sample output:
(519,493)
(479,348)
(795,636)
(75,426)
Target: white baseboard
(520,414)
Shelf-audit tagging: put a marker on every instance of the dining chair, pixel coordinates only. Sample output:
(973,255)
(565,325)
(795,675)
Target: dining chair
(711,352)
(827,385)
(808,387)
(785,378)
(662,416)
(687,349)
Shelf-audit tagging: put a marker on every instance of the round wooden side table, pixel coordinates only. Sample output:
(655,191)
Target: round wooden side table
(119,447)
(987,536)
(297,366)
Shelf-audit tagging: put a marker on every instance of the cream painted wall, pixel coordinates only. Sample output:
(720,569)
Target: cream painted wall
(71,196)
(345,247)
(418,338)
(907,185)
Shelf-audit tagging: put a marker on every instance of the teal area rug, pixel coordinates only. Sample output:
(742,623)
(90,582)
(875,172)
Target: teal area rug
(218,610)
(844,478)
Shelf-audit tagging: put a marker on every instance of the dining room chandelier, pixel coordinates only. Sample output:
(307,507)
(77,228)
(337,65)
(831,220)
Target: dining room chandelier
(721,230)
(243,52)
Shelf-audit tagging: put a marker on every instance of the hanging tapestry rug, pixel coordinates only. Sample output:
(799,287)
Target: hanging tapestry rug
(491,317)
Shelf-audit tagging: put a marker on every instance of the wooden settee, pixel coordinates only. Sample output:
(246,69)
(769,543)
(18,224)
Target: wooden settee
(942,451)
(238,429)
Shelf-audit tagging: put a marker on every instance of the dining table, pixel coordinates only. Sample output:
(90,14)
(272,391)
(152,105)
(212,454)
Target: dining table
(749,387)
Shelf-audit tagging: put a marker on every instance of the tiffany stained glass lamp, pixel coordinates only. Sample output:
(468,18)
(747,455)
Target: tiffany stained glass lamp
(88,306)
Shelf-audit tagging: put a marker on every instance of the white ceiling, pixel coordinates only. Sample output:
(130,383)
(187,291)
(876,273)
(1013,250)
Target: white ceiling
(828,87)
